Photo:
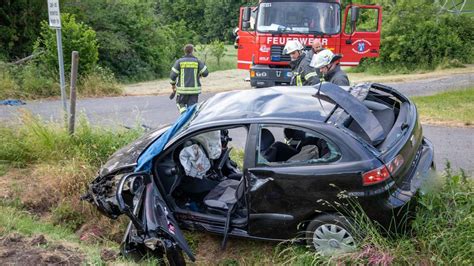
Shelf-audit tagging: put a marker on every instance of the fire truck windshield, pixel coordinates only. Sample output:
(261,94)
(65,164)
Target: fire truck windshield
(299,17)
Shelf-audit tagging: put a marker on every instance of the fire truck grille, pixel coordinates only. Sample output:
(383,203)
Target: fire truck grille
(277,56)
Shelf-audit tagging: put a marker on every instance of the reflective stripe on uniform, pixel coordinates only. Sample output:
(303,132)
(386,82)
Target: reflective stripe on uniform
(181,79)
(188,90)
(172,82)
(175,70)
(310,75)
(188,65)
(181,109)
(203,69)
(298,81)
(195,77)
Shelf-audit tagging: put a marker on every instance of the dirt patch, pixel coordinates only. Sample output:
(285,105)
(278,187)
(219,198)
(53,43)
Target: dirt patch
(16,249)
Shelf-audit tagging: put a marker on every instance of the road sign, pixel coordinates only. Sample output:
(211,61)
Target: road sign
(54,15)
(55,23)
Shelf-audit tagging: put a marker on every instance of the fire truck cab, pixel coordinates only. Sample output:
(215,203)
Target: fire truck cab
(264,30)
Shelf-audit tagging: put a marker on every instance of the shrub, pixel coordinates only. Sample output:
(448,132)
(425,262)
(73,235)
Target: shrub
(75,37)
(37,82)
(100,82)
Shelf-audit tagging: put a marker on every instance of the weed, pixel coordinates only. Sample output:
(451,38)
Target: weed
(64,214)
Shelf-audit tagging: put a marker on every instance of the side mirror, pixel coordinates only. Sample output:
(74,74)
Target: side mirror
(246,14)
(354,16)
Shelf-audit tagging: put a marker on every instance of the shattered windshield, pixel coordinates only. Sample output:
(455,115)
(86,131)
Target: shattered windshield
(299,17)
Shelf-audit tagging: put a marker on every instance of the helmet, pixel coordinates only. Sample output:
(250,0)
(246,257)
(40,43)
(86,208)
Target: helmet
(324,58)
(291,46)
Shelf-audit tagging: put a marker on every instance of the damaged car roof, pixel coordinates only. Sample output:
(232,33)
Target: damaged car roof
(282,102)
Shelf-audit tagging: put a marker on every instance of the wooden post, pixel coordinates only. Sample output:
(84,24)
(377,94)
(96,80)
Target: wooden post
(72,110)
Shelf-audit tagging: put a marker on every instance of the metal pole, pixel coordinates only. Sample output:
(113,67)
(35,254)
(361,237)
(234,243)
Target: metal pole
(72,98)
(61,70)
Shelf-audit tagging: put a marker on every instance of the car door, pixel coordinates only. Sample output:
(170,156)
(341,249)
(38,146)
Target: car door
(152,225)
(283,194)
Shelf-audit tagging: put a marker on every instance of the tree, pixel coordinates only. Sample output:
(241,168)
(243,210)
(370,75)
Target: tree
(218,50)
(75,37)
(20,26)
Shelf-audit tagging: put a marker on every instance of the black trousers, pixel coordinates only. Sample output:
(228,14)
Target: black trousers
(183,101)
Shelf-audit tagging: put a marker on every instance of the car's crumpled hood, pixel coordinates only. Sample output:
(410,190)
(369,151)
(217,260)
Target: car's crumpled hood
(128,155)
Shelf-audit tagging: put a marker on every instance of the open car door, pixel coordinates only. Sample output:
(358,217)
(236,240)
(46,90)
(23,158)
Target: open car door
(153,229)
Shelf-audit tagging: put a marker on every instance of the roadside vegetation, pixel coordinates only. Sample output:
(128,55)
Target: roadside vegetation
(451,107)
(418,36)
(44,171)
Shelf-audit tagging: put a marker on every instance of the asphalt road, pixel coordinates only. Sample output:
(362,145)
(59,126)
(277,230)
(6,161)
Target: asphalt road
(455,144)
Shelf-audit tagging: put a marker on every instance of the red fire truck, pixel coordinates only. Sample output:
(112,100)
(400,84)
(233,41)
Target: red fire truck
(264,30)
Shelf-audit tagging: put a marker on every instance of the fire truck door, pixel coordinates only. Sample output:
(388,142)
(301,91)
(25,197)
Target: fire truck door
(245,41)
(363,38)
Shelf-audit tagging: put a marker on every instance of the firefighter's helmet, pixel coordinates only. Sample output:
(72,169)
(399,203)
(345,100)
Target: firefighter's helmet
(324,58)
(291,46)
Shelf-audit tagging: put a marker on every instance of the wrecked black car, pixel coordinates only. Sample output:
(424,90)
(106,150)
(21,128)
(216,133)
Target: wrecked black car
(261,164)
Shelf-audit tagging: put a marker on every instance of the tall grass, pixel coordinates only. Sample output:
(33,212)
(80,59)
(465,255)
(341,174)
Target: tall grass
(60,165)
(33,81)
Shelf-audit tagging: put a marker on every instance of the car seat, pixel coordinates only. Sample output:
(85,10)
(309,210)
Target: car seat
(274,151)
(224,195)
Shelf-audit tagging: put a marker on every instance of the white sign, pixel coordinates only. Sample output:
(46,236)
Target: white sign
(54,15)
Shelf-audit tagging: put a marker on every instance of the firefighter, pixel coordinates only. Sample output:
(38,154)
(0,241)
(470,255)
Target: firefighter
(303,74)
(316,47)
(184,76)
(328,63)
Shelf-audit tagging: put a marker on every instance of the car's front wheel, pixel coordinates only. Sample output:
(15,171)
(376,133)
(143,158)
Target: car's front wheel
(331,234)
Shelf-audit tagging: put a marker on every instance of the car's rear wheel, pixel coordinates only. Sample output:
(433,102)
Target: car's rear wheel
(331,234)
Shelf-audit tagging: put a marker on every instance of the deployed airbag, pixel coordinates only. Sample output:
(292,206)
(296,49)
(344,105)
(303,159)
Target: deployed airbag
(194,161)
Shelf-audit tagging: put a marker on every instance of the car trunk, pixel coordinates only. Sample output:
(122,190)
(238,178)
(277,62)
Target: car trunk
(401,147)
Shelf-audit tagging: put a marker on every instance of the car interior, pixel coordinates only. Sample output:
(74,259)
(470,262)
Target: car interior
(295,146)
(200,177)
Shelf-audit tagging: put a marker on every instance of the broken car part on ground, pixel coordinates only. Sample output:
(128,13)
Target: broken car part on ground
(268,164)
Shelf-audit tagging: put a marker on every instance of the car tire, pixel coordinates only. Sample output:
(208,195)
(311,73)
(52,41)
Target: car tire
(331,234)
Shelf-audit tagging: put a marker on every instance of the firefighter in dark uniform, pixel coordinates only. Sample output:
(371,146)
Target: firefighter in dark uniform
(303,73)
(328,64)
(184,76)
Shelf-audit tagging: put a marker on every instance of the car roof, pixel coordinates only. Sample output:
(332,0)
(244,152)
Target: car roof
(273,102)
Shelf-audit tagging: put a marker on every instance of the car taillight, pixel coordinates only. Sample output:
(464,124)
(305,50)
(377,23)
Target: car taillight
(382,173)
(375,176)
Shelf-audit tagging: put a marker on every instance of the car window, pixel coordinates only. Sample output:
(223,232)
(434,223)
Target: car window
(281,145)
(214,142)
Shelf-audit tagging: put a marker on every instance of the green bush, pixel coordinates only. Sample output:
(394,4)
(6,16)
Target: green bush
(76,36)
(36,82)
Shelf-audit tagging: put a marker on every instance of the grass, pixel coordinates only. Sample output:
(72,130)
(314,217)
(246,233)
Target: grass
(449,107)
(229,61)
(32,81)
